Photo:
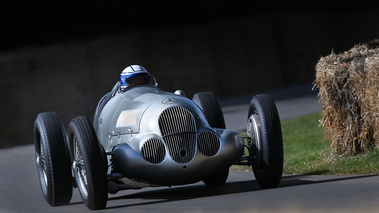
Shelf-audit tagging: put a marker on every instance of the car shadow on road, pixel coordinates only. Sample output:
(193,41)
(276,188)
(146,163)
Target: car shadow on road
(188,192)
(180,193)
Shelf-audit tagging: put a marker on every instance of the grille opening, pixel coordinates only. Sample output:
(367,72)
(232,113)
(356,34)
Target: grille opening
(153,151)
(209,143)
(178,129)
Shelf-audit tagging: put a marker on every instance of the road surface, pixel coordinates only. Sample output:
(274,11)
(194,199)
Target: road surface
(20,192)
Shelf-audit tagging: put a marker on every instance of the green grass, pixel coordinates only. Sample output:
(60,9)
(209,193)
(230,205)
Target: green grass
(307,152)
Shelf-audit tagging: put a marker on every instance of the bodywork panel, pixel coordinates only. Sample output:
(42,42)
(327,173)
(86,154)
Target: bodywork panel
(161,138)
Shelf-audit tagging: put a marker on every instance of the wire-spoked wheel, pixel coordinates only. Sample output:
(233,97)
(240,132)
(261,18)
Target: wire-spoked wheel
(266,142)
(88,163)
(52,159)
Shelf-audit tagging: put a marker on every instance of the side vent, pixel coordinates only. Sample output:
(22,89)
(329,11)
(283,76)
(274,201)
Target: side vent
(209,143)
(153,151)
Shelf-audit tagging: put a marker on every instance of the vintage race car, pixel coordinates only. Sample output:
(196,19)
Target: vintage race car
(149,137)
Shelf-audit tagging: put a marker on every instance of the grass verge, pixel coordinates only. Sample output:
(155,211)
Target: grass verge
(306,152)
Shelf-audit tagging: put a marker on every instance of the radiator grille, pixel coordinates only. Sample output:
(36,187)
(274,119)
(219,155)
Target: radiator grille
(209,143)
(178,129)
(153,151)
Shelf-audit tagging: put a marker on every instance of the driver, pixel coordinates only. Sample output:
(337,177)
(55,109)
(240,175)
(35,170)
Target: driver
(135,75)
(131,76)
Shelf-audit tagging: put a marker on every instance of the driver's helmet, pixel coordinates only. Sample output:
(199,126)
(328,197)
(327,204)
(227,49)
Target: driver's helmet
(135,75)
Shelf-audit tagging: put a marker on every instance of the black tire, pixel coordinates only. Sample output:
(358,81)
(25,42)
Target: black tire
(53,159)
(268,165)
(88,163)
(217,180)
(211,109)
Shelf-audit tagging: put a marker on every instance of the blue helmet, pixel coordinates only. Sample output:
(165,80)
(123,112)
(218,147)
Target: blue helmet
(135,75)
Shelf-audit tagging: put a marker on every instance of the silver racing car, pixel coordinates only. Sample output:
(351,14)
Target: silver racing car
(143,136)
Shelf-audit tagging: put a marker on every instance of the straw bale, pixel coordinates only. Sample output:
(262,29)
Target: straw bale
(348,86)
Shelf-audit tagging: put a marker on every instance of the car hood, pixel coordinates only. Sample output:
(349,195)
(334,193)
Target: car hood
(137,111)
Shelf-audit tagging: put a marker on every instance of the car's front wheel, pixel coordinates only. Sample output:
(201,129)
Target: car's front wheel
(88,163)
(266,142)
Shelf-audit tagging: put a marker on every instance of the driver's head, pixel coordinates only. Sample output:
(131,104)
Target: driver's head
(135,75)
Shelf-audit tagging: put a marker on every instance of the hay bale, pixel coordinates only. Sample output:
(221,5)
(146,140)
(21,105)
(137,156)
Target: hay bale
(348,86)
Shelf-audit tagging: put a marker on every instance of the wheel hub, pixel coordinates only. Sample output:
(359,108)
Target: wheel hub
(74,166)
(254,132)
(38,161)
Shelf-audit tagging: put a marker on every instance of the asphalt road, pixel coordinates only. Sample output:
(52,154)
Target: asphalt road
(20,190)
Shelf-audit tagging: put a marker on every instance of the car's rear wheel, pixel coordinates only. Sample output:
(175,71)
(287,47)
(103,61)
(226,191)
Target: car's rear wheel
(88,163)
(53,159)
(209,105)
(211,109)
(266,142)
